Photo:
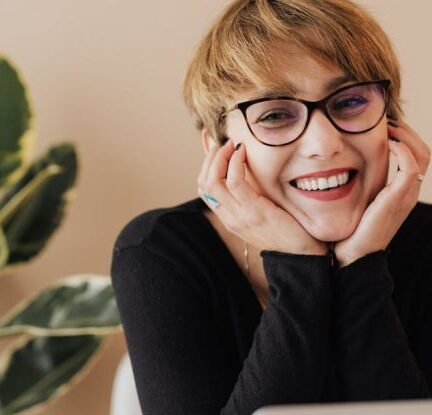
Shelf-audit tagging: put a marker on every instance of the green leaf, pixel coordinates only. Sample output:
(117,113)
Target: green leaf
(32,209)
(16,123)
(41,369)
(4,248)
(81,304)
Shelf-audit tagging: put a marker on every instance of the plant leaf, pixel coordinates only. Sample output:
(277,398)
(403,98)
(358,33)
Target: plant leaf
(41,369)
(81,304)
(16,123)
(4,248)
(32,209)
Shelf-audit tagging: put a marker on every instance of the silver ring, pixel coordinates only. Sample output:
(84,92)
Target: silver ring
(420,177)
(213,203)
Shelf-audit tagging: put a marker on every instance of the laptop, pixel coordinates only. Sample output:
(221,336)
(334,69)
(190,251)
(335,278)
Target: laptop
(398,407)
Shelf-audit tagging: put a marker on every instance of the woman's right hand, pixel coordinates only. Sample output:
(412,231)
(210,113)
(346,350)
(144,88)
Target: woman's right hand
(249,215)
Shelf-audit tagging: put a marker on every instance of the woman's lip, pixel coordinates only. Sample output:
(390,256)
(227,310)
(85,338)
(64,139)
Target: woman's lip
(324,173)
(329,195)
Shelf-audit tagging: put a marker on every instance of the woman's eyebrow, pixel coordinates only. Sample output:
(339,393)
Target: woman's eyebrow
(329,86)
(291,90)
(286,91)
(334,83)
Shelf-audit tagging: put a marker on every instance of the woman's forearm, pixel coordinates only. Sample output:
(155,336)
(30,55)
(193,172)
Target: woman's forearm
(375,359)
(288,358)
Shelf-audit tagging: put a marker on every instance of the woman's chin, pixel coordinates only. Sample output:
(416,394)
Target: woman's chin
(331,232)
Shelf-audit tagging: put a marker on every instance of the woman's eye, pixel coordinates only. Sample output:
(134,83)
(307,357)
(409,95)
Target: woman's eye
(276,118)
(349,103)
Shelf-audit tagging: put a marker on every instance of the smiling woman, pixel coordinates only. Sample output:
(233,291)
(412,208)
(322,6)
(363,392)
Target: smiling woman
(346,130)
(301,274)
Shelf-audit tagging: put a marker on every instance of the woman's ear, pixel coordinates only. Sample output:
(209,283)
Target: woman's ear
(208,142)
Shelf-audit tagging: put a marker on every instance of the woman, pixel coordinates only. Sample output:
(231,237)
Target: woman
(305,276)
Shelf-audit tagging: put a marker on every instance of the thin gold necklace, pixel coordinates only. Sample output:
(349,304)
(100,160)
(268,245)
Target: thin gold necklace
(262,301)
(246,257)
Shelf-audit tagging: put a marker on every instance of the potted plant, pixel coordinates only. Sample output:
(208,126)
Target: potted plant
(60,329)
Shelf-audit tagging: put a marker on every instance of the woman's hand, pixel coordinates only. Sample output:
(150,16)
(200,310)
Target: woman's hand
(251,216)
(394,202)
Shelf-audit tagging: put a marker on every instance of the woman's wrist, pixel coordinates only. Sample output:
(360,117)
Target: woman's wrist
(319,250)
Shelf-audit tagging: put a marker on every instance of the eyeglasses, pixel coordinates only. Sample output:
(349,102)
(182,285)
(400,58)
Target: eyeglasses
(353,109)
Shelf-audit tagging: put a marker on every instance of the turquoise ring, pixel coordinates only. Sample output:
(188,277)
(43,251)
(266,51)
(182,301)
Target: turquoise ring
(213,203)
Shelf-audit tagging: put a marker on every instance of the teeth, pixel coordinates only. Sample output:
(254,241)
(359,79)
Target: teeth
(322,183)
(332,181)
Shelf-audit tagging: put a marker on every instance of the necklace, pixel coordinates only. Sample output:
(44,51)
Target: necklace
(246,257)
(262,298)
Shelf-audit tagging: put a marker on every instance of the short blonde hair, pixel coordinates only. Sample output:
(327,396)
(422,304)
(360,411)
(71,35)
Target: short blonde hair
(235,55)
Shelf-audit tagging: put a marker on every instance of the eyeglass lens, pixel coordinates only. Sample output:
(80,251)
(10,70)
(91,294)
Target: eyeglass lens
(353,110)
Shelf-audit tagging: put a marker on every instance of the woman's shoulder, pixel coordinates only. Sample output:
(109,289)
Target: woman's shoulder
(173,244)
(163,222)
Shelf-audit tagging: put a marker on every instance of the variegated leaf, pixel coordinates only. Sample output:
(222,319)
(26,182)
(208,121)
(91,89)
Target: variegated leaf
(81,304)
(16,123)
(32,209)
(42,368)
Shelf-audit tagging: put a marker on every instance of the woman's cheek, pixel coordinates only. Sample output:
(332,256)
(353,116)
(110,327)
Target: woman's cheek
(249,177)
(264,170)
(253,177)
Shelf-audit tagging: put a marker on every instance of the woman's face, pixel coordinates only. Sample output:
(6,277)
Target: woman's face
(321,147)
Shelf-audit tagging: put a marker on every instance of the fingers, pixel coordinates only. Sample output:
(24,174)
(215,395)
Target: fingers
(226,177)
(219,167)
(408,166)
(405,187)
(202,176)
(413,141)
(223,176)
(236,177)
(215,182)
(212,180)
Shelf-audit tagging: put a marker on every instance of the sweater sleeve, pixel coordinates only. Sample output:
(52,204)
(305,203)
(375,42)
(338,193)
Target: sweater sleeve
(288,358)
(376,362)
(178,363)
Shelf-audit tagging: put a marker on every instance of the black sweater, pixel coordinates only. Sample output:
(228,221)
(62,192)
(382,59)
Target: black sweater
(200,342)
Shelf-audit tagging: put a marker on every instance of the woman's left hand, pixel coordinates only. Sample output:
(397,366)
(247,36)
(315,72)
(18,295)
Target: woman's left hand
(394,202)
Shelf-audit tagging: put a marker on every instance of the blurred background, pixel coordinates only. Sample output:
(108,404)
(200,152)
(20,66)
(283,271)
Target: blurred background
(106,74)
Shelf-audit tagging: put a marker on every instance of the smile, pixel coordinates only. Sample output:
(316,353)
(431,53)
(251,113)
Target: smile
(324,183)
(326,189)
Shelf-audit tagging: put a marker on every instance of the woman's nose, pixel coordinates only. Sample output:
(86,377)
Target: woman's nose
(321,140)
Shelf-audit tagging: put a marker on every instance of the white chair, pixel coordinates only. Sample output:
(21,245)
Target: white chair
(124,397)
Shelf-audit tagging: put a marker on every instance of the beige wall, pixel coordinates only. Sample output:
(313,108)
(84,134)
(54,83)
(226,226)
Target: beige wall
(106,74)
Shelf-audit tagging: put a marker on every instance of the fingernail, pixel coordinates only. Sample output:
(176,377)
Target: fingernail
(395,139)
(392,123)
(225,140)
(237,146)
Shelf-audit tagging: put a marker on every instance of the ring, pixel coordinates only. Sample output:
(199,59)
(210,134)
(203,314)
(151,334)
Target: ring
(211,200)
(420,177)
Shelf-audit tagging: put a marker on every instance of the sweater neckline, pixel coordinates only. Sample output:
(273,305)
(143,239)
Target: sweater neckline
(199,206)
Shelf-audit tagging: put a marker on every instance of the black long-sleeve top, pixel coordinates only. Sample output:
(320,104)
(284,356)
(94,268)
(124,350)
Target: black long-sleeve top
(200,343)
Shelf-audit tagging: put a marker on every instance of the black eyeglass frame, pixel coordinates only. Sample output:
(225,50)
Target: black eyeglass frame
(311,106)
